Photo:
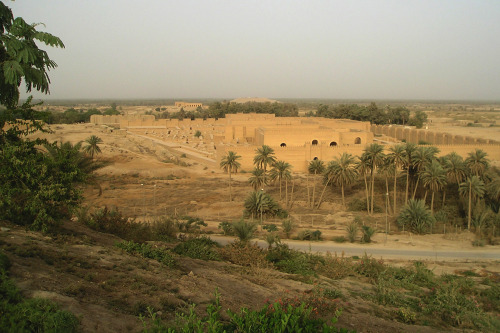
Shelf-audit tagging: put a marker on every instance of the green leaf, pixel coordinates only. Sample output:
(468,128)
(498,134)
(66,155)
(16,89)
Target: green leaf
(12,71)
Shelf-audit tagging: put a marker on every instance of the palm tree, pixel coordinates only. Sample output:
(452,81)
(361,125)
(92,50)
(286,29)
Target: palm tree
(493,183)
(363,167)
(229,163)
(258,179)
(375,154)
(281,170)
(434,178)
(474,187)
(422,157)
(328,176)
(315,167)
(455,169)
(92,148)
(343,171)
(409,150)
(264,156)
(260,203)
(477,162)
(387,169)
(398,157)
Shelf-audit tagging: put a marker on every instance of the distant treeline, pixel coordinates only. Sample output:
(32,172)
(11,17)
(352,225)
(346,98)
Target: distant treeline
(73,116)
(220,109)
(389,115)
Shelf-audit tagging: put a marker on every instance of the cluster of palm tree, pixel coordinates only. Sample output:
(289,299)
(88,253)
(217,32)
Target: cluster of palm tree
(425,174)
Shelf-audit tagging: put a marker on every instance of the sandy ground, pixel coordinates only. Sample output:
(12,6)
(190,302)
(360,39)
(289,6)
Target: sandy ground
(140,184)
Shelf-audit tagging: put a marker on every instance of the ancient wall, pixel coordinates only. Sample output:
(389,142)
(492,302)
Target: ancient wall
(414,135)
(116,119)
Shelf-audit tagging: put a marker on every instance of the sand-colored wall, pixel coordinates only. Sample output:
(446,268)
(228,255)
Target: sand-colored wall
(413,135)
(116,119)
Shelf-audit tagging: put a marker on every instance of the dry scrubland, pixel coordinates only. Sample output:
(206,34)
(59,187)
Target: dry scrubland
(85,272)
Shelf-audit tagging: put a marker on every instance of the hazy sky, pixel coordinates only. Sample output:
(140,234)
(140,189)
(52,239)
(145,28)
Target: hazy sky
(297,49)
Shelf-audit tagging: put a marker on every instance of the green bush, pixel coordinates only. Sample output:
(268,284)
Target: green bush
(270,227)
(244,230)
(189,224)
(198,248)
(288,227)
(339,239)
(309,235)
(352,231)
(368,232)
(30,315)
(4,262)
(274,317)
(146,250)
(416,217)
(292,261)
(227,228)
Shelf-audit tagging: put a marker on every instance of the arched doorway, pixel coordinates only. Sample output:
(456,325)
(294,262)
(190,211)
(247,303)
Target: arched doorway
(357,141)
(315,158)
(314,142)
(333,144)
(283,144)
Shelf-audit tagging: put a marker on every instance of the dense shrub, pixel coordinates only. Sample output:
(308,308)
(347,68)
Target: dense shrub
(113,222)
(244,254)
(416,217)
(309,235)
(198,248)
(280,316)
(352,231)
(368,232)
(227,228)
(292,261)
(148,251)
(189,224)
(244,230)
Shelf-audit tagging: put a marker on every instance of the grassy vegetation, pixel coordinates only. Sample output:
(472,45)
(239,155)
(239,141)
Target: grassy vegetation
(148,251)
(288,315)
(29,315)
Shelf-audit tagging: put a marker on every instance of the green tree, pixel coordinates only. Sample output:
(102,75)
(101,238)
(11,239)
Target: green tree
(477,162)
(21,59)
(397,156)
(410,151)
(258,179)
(434,178)
(315,167)
(416,217)
(92,145)
(344,172)
(264,156)
(473,187)
(421,158)
(363,167)
(244,230)
(259,203)
(281,170)
(375,155)
(230,164)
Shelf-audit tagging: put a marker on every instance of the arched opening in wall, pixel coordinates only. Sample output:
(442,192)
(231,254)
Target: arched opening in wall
(315,158)
(314,142)
(333,144)
(283,144)
(357,141)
